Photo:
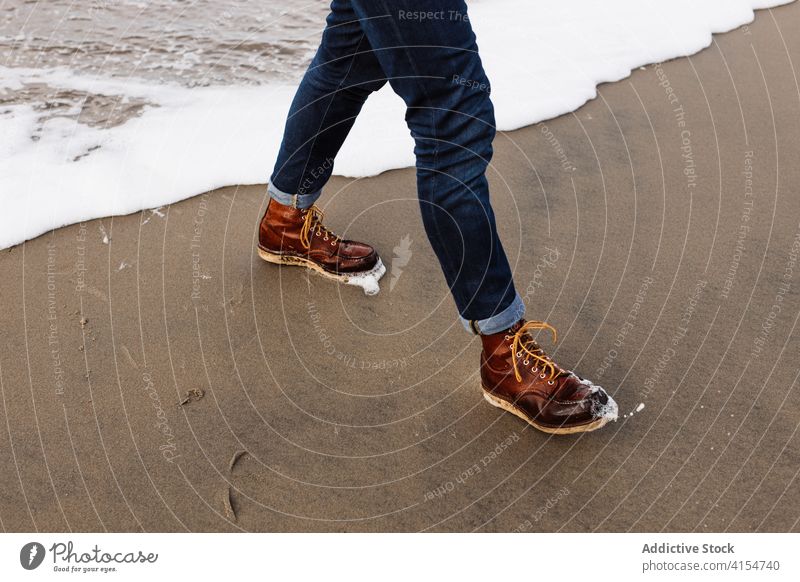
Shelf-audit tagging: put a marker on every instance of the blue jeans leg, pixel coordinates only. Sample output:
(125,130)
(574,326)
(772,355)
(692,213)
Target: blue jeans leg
(427,51)
(343,73)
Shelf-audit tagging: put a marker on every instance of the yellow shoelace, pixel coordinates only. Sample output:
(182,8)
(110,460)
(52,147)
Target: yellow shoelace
(523,343)
(313,223)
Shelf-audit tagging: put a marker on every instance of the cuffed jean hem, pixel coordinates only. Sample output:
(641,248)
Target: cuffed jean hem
(499,322)
(293,200)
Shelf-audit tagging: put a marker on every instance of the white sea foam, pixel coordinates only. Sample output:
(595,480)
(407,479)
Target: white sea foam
(638,409)
(368,280)
(544,59)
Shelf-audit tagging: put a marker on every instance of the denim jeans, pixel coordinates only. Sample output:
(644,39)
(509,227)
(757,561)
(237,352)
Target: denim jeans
(427,52)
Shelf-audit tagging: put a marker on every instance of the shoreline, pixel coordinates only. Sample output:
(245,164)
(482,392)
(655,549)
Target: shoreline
(114,145)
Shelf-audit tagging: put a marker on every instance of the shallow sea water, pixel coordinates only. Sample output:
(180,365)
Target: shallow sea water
(193,43)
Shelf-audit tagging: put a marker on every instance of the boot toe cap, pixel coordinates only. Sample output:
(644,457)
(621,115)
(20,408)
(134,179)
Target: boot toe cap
(355,257)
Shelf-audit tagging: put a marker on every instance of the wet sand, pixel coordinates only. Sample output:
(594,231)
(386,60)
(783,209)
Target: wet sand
(657,228)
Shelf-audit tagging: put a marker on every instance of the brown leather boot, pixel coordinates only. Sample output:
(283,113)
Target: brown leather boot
(296,236)
(517,376)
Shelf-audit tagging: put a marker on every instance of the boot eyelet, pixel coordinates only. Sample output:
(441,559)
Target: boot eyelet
(550,383)
(519,354)
(526,362)
(325,238)
(333,243)
(542,376)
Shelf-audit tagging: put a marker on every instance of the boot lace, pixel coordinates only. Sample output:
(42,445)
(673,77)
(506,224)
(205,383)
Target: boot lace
(523,343)
(312,224)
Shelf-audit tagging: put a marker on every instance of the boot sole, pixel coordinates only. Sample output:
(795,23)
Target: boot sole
(359,279)
(508,407)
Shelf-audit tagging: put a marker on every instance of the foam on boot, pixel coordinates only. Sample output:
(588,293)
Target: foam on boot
(609,410)
(368,280)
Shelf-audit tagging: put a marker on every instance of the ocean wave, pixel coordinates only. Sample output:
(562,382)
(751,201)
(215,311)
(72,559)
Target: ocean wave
(106,146)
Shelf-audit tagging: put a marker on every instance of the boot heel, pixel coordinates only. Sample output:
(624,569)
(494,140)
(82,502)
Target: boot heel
(279,259)
(270,257)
